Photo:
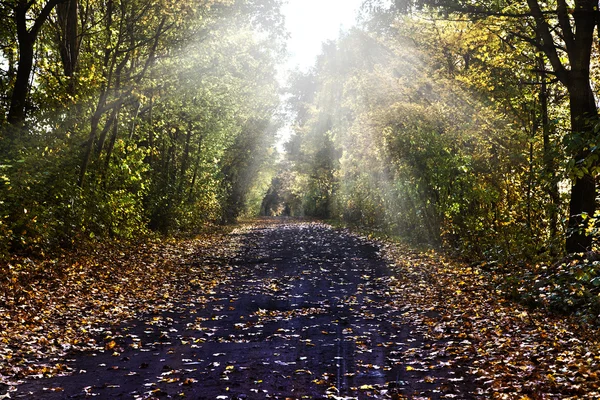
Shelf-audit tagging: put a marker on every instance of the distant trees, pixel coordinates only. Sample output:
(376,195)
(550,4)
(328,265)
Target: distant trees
(459,143)
(509,73)
(132,115)
(472,124)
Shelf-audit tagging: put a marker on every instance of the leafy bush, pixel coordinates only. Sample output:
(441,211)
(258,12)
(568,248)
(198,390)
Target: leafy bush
(569,287)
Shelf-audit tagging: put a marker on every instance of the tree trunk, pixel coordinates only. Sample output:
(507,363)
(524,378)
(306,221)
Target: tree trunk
(151,130)
(190,196)
(583,190)
(111,142)
(584,115)
(549,161)
(530,178)
(67,13)
(26,37)
(89,148)
(102,139)
(577,28)
(185,159)
(16,113)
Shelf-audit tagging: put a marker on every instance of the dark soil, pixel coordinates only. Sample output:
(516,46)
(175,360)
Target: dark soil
(306,315)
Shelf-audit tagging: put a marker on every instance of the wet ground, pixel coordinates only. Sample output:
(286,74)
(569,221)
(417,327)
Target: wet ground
(306,314)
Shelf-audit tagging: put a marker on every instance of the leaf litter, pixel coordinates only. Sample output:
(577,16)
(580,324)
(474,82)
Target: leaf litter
(51,308)
(286,310)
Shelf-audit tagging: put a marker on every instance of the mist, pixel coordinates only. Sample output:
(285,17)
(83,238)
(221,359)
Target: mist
(388,136)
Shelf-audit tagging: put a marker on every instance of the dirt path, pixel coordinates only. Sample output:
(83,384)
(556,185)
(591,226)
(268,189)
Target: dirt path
(306,314)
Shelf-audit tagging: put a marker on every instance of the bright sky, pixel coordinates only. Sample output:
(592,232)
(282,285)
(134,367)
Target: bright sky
(310,22)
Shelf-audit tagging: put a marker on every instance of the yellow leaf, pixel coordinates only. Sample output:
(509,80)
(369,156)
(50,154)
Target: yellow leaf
(302,371)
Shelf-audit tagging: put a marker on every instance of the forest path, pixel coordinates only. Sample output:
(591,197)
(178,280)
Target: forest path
(307,313)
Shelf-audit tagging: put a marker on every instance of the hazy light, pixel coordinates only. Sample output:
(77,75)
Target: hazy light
(311,22)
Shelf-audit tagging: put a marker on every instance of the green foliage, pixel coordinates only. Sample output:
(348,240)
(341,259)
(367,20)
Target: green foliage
(164,123)
(419,145)
(570,286)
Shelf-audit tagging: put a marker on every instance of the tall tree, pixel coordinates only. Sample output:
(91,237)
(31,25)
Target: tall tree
(68,38)
(575,38)
(27,35)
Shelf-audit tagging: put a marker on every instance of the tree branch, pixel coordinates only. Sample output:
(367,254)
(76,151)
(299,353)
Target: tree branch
(565,25)
(479,11)
(41,19)
(547,42)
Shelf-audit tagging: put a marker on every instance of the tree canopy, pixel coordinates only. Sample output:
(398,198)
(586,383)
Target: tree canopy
(123,116)
(472,125)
